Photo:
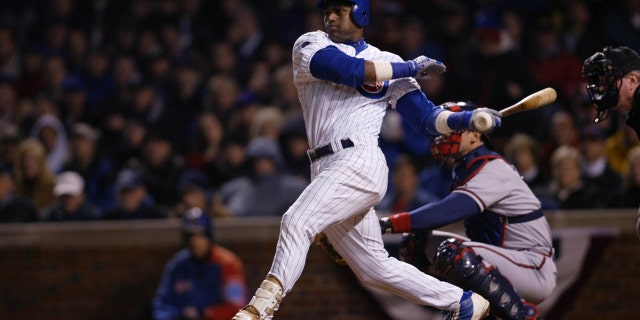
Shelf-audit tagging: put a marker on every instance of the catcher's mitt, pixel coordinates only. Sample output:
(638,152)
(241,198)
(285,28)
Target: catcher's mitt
(323,242)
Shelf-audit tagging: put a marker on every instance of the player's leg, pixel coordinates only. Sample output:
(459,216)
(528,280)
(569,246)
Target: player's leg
(340,188)
(359,241)
(459,264)
(531,274)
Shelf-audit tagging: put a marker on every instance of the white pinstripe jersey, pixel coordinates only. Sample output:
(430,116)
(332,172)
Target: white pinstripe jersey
(333,111)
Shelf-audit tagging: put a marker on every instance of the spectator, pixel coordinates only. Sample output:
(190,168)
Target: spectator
(202,281)
(133,199)
(523,151)
(620,24)
(631,193)
(222,96)
(187,101)
(14,207)
(205,143)
(33,178)
(195,192)
(618,146)
(92,164)
(9,108)
(31,80)
(294,143)
(161,168)
(55,71)
(232,162)
(567,188)
(73,107)
(9,141)
(51,132)
(550,63)
(131,143)
(480,76)
(9,54)
(583,35)
(405,192)
(266,190)
(267,122)
(563,131)
(99,81)
(286,97)
(415,41)
(71,203)
(596,168)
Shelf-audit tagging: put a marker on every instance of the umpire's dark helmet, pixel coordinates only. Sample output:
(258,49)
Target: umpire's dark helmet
(359,13)
(603,70)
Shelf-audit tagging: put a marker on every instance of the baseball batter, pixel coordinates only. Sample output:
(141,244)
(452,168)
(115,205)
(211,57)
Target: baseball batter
(509,252)
(345,86)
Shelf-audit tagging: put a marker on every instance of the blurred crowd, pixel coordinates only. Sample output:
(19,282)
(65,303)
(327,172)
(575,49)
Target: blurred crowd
(145,108)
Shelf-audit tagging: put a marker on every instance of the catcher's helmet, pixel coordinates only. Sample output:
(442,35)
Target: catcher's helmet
(603,70)
(359,12)
(448,146)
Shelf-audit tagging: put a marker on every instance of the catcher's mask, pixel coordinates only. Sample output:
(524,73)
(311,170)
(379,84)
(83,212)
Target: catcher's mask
(604,71)
(448,146)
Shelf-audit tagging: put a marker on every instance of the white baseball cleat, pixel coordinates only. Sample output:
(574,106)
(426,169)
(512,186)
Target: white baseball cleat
(245,315)
(264,303)
(472,306)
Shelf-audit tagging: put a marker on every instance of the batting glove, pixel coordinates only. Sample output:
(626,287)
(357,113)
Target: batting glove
(420,67)
(425,66)
(497,119)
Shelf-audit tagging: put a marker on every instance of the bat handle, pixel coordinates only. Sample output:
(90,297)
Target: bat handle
(483,122)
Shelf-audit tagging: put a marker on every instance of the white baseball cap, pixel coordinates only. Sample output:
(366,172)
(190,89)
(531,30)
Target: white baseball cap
(69,182)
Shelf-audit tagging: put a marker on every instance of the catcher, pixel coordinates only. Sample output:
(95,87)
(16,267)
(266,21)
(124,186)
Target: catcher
(508,254)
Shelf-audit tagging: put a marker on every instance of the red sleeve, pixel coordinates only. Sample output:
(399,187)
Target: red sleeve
(234,282)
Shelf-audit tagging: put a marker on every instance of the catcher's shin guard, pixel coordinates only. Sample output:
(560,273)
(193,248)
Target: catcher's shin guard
(264,303)
(459,265)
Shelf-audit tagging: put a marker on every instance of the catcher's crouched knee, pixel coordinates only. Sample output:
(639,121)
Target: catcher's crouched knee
(323,242)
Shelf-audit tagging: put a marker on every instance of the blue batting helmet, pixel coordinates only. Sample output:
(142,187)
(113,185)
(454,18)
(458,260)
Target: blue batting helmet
(197,221)
(359,12)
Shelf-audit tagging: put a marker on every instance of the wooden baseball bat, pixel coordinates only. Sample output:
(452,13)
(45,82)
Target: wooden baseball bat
(484,121)
(533,101)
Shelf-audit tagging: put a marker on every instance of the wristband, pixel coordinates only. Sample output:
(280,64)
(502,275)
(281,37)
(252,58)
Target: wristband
(401,222)
(384,71)
(393,70)
(459,120)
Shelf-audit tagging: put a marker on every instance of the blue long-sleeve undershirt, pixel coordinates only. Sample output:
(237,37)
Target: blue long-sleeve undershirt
(333,65)
(419,112)
(454,207)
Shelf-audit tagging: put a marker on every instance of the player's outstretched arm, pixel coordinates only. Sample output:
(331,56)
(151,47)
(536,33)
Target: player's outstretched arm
(333,65)
(420,67)
(431,120)
(454,207)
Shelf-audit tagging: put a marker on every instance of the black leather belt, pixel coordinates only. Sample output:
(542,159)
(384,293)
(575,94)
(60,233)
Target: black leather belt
(525,217)
(326,150)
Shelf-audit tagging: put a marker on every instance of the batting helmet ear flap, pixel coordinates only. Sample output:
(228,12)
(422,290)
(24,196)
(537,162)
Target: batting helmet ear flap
(359,12)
